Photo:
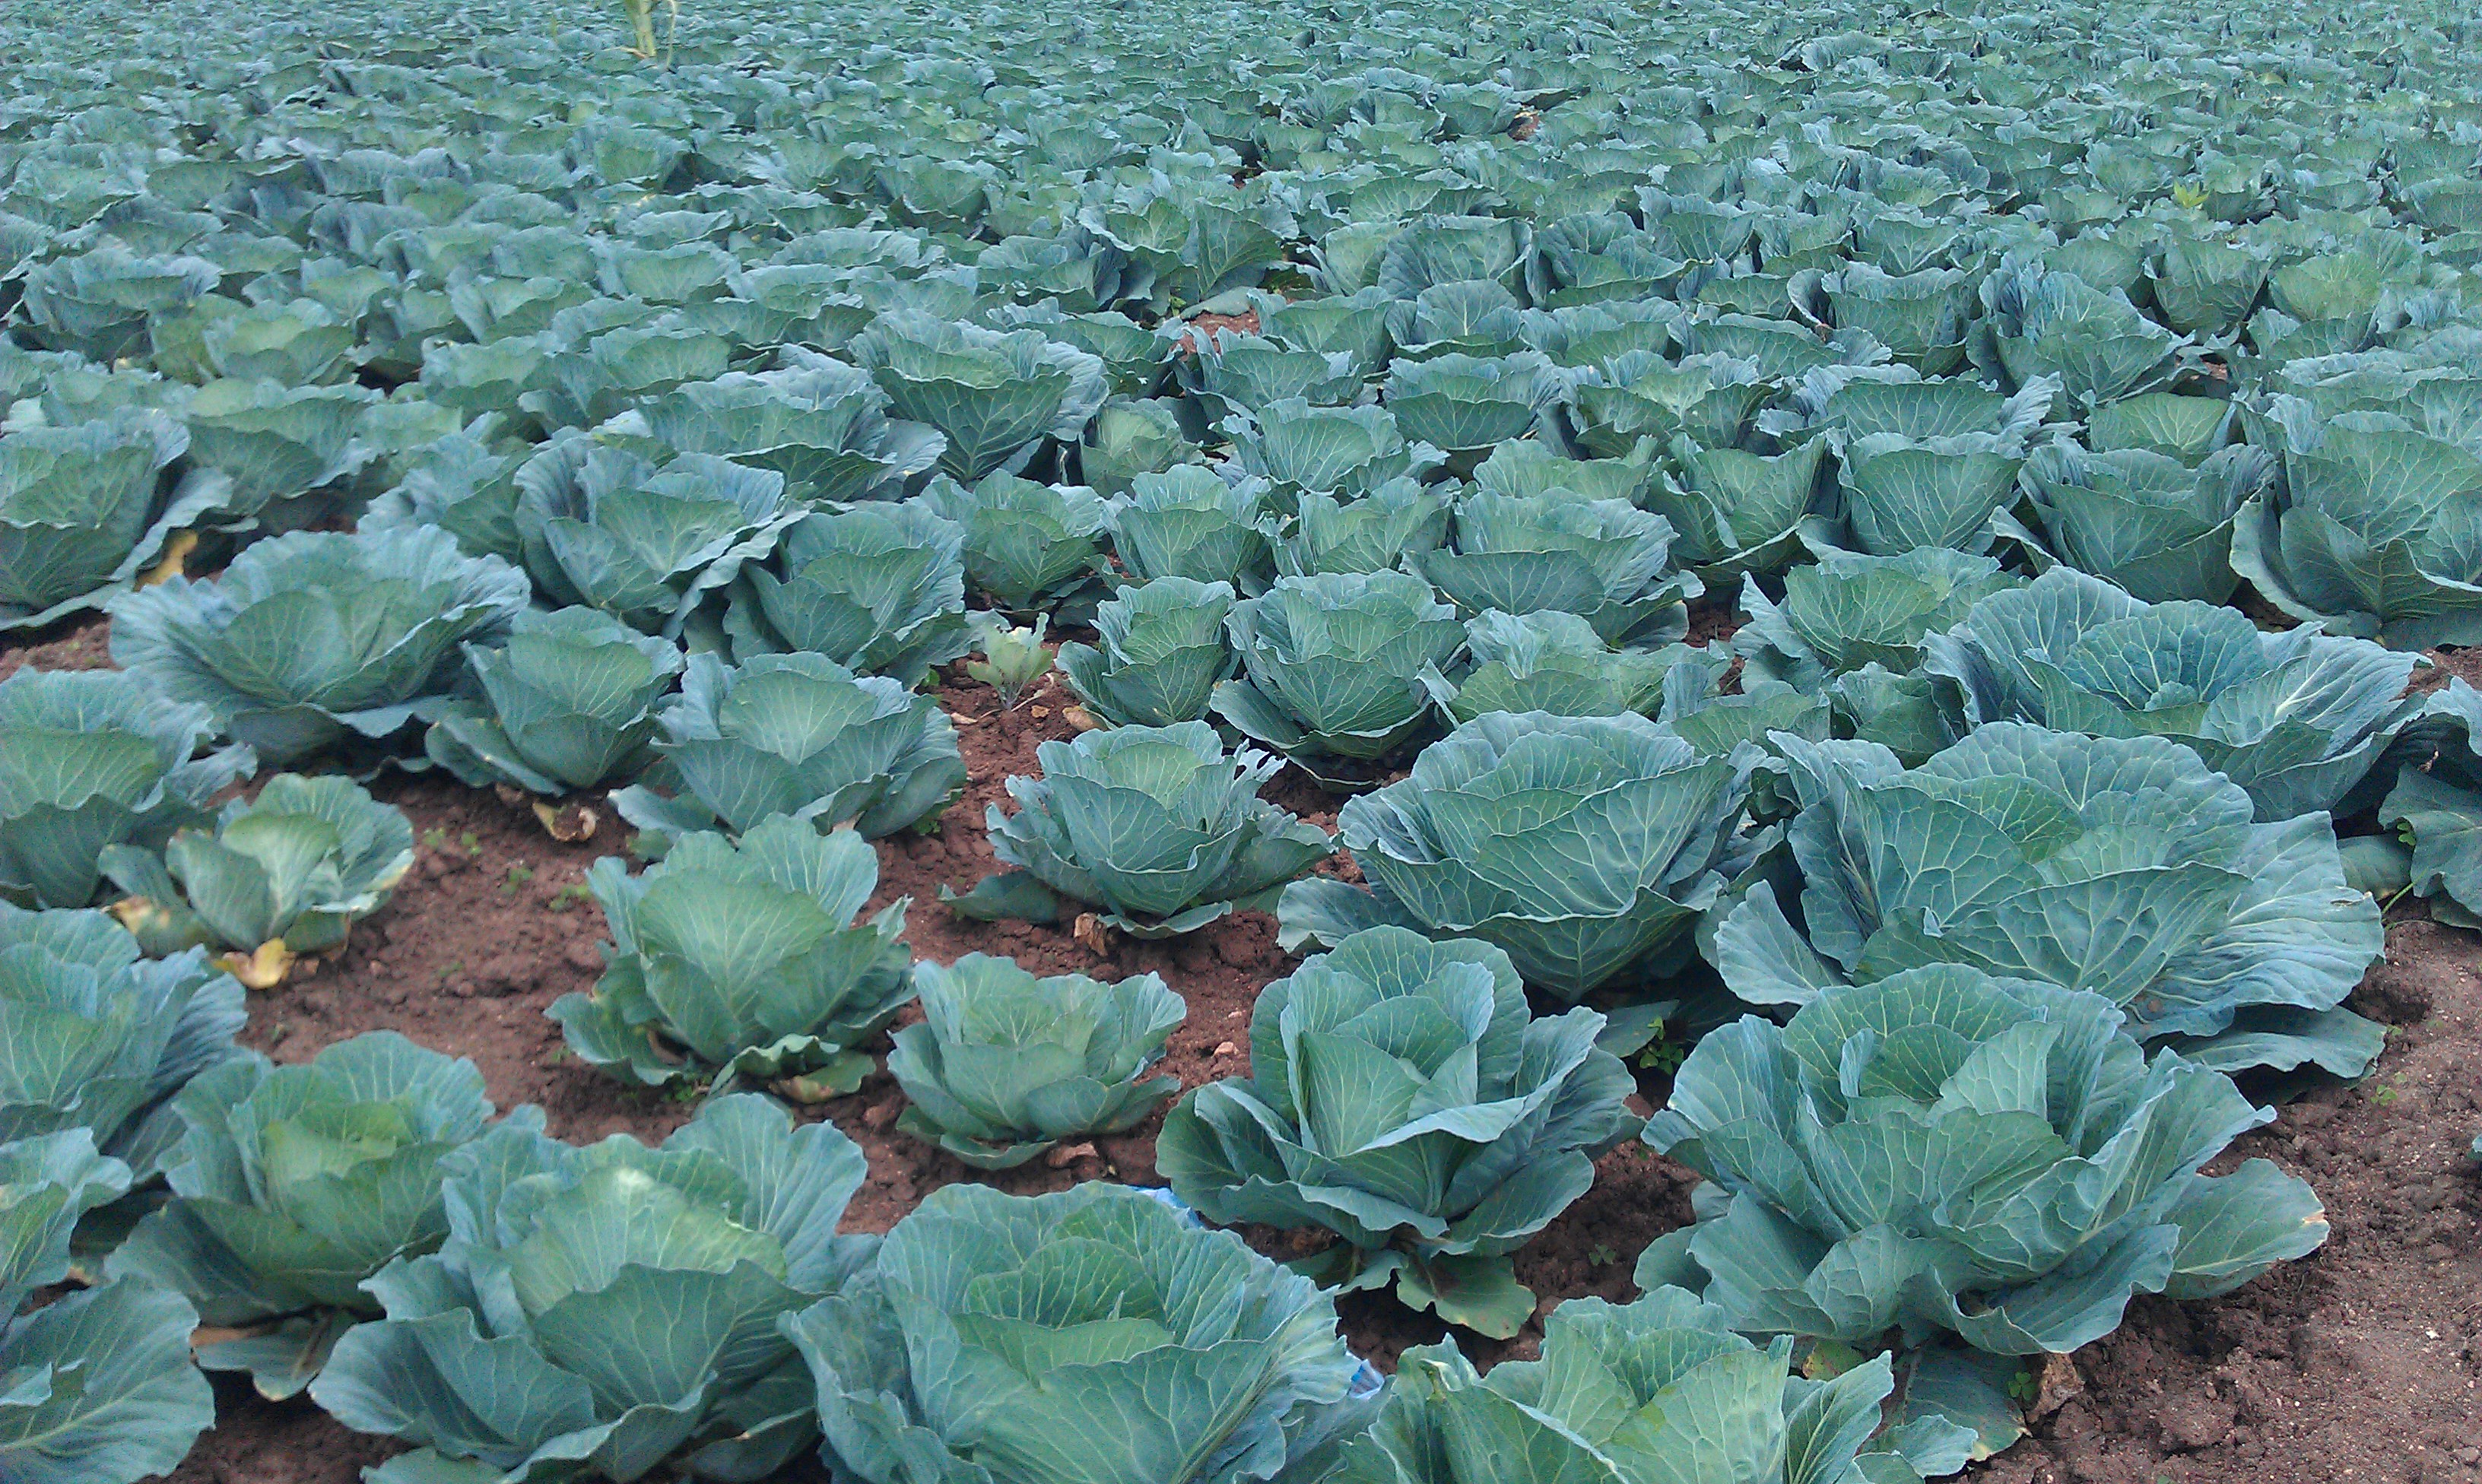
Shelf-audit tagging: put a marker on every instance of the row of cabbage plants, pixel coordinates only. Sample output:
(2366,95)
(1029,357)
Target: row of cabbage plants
(1380,406)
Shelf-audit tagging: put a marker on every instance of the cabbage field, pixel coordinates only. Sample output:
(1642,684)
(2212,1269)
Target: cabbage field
(903,742)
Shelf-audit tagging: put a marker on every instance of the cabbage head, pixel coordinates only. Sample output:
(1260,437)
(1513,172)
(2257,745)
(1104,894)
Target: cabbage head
(1189,522)
(2297,718)
(1605,561)
(742,961)
(1631,1395)
(288,872)
(288,450)
(93,759)
(1583,846)
(1372,534)
(996,396)
(1402,1096)
(314,637)
(2045,322)
(2029,1167)
(98,302)
(2123,866)
(641,542)
(292,1185)
(819,422)
(1345,452)
(1734,511)
(1852,627)
(1551,661)
(1332,666)
(596,1311)
(1029,548)
(878,589)
(996,1331)
(801,736)
(1467,405)
(1004,1065)
(2374,531)
(94,1036)
(2161,528)
(1157,827)
(86,509)
(101,1387)
(570,701)
(1160,648)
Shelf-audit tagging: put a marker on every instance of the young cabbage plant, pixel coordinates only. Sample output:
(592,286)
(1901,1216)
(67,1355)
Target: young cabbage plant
(1346,452)
(1632,1395)
(1004,1065)
(799,736)
(643,541)
(1332,668)
(1736,512)
(89,509)
(598,1311)
(2155,526)
(878,589)
(816,421)
(996,1329)
(94,1036)
(1468,406)
(1402,1096)
(1373,533)
(1156,828)
(2031,1169)
(288,872)
(1605,561)
(290,452)
(1190,522)
(2045,322)
(1585,848)
(2434,805)
(1551,661)
(93,759)
(1012,658)
(745,961)
(2123,866)
(292,1185)
(1161,649)
(568,702)
(316,638)
(1131,438)
(2297,718)
(1029,548)
(996,396)
(102,1390)
(1852,627)
(2374,531)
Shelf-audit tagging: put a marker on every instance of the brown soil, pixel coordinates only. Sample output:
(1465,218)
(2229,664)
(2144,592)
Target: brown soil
(2357,1363)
